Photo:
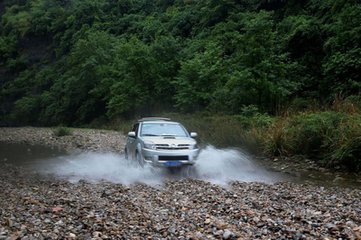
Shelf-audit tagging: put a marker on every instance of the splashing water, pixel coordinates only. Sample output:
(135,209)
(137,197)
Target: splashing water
(224,165)
(96,167)
(218,166)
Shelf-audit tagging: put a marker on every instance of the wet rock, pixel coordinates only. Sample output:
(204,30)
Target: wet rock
(218,233)
(97,234)
(331,227)
(228,234)
(72,235)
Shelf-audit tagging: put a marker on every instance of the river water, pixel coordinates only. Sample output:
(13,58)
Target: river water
(219,166)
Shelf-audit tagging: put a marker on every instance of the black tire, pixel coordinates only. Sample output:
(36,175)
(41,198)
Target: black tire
(126,154)
(139,159)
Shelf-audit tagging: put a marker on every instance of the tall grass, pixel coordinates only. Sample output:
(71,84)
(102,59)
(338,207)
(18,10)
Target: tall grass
(347,146)
(332,139)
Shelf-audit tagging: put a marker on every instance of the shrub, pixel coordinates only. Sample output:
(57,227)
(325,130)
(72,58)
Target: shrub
(354,103)
(249,110)
(350,105)
(302,105)
(62,131)
(346,147)
(331,138)
(25,110)
(275,139)
(312,134)
(348,155)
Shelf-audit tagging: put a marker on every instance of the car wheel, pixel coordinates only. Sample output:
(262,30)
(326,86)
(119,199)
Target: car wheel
(126,154)
(139,159)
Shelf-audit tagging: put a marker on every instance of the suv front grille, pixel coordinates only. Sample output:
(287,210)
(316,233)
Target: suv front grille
(172,146)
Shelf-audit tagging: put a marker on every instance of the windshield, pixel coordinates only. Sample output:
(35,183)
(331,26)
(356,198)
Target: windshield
(163,129)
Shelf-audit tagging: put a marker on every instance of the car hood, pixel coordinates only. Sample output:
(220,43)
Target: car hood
(168,140)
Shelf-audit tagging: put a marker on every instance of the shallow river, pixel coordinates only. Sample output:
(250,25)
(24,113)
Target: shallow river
(218,166)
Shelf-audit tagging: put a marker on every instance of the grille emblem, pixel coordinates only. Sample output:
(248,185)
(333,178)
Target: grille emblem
(173,145)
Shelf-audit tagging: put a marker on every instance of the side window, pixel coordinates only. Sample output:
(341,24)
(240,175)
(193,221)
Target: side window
(135,129)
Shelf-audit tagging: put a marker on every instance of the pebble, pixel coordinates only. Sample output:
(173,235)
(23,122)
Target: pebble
(227,234)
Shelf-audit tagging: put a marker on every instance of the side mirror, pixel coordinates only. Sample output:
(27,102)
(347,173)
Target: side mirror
(194,134)
(131,134)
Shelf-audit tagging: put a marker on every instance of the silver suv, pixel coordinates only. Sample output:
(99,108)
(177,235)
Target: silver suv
(161,143)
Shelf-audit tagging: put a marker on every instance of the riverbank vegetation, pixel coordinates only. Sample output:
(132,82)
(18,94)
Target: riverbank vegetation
(282,75)
(330,138)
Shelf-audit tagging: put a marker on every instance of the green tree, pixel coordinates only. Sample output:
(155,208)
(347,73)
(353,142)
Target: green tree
(17,20)
(342,65)
(136,74)
(81,88)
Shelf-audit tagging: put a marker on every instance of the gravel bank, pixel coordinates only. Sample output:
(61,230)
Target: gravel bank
(38,207)
(79,140)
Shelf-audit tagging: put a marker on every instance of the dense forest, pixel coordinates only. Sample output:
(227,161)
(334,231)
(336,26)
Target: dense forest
(72,62)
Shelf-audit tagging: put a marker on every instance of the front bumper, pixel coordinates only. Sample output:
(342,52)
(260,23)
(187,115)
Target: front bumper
(170,158)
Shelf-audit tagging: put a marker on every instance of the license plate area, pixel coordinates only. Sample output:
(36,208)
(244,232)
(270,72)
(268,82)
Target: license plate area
(173,163)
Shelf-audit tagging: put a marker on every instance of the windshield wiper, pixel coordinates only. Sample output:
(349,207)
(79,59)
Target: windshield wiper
(149,135)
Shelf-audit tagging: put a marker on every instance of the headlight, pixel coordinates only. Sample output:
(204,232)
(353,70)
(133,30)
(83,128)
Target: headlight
(194,146)
(149,145)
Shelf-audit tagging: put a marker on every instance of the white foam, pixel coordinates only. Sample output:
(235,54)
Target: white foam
(96,167)
(218,166)
(224,165)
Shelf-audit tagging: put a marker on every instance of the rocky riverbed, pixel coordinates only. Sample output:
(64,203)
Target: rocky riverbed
(44,207)
(78,139)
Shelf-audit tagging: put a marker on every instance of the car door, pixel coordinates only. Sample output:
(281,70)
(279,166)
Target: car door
(132,141)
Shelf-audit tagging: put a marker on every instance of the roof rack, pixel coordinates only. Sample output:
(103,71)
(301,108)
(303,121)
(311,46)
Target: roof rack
(153,119)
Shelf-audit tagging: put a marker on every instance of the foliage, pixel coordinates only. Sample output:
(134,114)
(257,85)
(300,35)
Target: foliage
(17,21)
(311,134)
(107,59)
(62,131)
(332,138)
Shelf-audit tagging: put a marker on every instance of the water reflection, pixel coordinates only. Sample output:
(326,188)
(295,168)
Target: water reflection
(26,155)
